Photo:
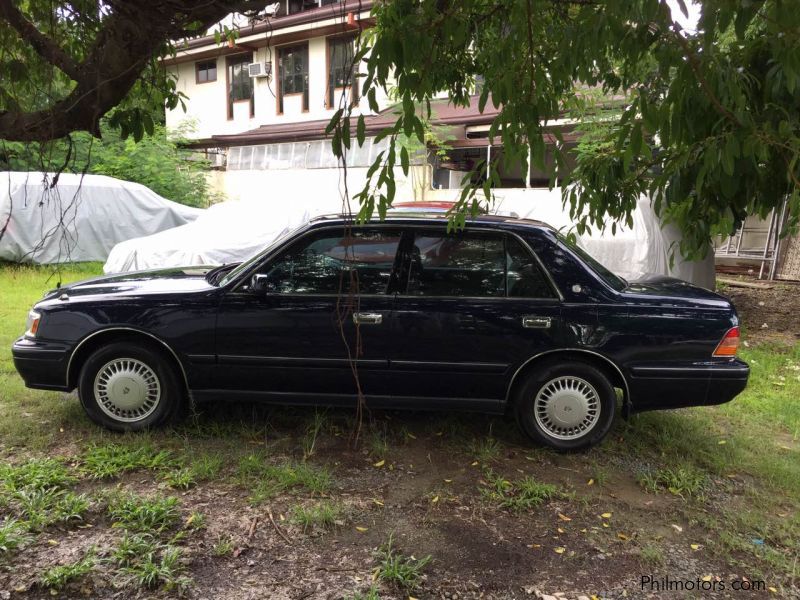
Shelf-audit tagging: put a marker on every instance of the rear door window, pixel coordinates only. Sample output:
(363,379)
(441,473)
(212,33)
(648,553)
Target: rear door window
(524,276)
(473,264)
(464,265)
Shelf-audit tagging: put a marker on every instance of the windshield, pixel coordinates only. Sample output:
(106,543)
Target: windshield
(257,256)
(614,281)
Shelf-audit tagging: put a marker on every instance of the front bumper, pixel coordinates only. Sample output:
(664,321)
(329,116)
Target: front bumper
(655,387)
(41,364)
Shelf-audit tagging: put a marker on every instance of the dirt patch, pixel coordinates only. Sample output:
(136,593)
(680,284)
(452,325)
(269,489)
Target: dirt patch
(768,314)
(425,496)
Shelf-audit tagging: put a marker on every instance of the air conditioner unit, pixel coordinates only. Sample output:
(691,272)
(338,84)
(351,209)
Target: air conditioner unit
(258,69)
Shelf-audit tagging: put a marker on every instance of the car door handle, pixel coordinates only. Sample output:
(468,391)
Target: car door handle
(367,318)
(530,322)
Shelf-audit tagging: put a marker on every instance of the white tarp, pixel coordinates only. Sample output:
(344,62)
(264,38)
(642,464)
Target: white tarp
(80,219)
(631,253)
(227,232)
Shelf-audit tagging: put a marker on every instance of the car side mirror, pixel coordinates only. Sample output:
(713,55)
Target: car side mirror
(260,283)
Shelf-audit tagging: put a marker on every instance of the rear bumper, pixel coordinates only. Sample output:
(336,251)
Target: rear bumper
(42,365)
(655,387)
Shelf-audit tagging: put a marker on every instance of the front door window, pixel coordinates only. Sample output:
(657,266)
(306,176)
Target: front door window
(326,263)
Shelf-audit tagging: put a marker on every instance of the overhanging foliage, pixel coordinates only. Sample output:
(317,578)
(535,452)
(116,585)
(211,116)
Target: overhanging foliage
(710,128)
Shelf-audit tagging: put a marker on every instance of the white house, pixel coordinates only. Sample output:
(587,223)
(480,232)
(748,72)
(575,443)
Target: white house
(288,68)
(263,103)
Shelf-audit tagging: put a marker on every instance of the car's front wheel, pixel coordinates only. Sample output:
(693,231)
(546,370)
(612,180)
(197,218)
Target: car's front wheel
(129,387)
(567,405)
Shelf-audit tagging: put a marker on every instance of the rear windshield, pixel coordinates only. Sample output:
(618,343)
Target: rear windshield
(615,281)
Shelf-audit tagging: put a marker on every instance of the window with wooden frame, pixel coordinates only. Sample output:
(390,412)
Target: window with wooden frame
(293,73)
(240,84)
(205,71)
(341,70)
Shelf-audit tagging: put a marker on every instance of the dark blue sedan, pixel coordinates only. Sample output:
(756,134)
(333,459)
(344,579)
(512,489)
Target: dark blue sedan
(506,315)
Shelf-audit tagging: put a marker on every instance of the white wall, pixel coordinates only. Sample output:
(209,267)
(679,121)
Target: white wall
(324,186)
(207,106)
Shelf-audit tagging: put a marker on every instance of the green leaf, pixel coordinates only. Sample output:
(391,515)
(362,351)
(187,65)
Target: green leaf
(334,121)
(636,139)
(149,125)
(373,103)
(346,132)
(419,131)
(404,161)
(390,190)
(361,130)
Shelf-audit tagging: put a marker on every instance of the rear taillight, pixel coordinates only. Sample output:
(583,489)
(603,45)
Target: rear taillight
(729,344)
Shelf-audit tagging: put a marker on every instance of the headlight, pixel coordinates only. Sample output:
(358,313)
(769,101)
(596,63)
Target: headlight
(33,324)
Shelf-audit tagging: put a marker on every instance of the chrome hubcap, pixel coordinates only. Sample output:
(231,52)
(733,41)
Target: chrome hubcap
(567,407)
(127,390)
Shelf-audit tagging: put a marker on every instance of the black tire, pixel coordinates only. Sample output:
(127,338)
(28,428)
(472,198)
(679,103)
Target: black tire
(570,372)
(169,391)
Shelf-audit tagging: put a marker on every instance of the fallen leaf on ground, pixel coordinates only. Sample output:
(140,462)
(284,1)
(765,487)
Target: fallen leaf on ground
(606,515)
(695,546)
(378,502)
(677,528)
(622,536)
(435,500)
(590,482)
(564,517)
(361,529)
(560,550)
(380,463)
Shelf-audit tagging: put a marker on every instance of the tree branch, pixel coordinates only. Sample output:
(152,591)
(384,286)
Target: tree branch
(42,44)
(694,63)
(129,35)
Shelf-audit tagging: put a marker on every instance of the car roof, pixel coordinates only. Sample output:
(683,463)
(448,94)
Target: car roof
(436,217)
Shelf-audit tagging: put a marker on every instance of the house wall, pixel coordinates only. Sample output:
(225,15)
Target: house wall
(325,186)
(207,109)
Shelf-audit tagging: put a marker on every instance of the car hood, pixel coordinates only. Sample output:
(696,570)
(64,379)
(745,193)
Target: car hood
(671,290)
(158,281)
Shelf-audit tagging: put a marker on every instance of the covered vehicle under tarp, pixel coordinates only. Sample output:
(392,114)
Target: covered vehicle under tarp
(227,232)
(81,218)
(632,252)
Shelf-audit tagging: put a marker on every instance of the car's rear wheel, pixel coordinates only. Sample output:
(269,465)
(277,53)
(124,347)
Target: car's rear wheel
(566,405)
(129,387)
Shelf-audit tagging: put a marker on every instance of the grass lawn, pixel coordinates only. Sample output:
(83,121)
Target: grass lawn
(265,502)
